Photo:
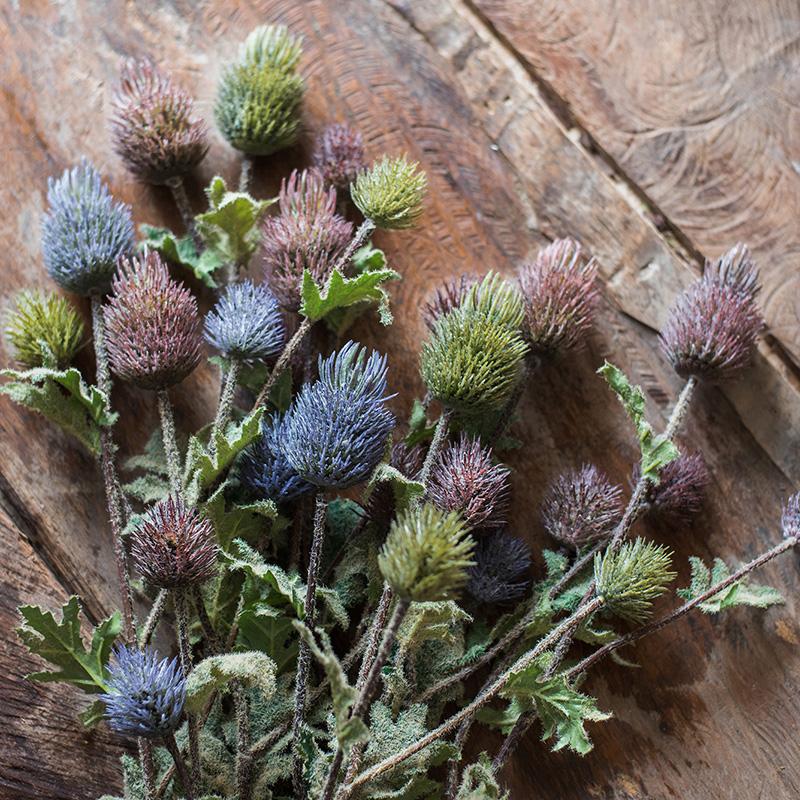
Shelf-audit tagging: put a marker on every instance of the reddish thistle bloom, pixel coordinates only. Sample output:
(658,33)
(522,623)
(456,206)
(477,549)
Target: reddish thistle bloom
(154,128)
(306,234)
(582,507)
(681,490)
(339,155)
(174,547)
(559,289)
(152,324)
(446,298)
(790,520)
(464,479)
(712,329)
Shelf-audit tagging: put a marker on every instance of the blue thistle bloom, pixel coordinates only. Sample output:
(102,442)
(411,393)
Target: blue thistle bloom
(263,468)
(337,427)
(246,323)
(146,693)
(84,232)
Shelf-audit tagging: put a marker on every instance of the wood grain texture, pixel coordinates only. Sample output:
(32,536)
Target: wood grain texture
(715,702)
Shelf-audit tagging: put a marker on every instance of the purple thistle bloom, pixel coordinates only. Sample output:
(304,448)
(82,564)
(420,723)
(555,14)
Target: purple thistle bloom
(559,289)
(339,155)
(306,234)
(152,324)
(84,232)
(790,519)
(246,323)
(337,427)
(681,490)
(446,298)
(500,573)
(464,479)
(582,507)
(264,470)
(146,694)
(712,328)
(173,546)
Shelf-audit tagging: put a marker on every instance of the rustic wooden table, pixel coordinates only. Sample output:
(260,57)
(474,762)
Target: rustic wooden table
(657,133)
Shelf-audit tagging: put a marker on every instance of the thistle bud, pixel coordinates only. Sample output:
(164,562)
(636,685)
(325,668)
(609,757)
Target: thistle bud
(681,489)
(446,298)
(152,324)
(631,577)
(497,300)
(154,128)
(339,155)
(790,519)
(390,193)
(500,573)
(44,326)
(173,546)
(427,555)
(84,232)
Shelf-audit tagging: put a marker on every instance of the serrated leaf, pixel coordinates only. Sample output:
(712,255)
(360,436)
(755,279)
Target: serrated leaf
(404,489)
(479,783)
(442,621)
(182,251)
(249,521)
(147,489)
(60,643)
(368,259)
(215,673)
(93,713)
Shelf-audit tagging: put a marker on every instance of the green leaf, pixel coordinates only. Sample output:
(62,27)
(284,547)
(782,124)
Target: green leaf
(64,398)
(478,782)
(93,713)
(657,451)
(262,627)
(419,428)
(739,593)
(248,522)
(184,253)
(368,259)
(441,621)
(253,669)
(340,292)
(404,489)
(60,643)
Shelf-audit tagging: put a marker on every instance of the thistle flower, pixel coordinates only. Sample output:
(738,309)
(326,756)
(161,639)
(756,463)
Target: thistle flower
(501,567)
(154,128)
(245,323)
(339,155)
(497,300)
(258,100)
(337,427)
(44,325)
(84,231)
(306,234)
(152,324)
(264,470)
(681,489)
(427,555)
(390,193)
(146,694)
(712,328)
(446,298)
(632,576)
(790,519)
(582,507)
(560,291)
(173,546)
(465,480)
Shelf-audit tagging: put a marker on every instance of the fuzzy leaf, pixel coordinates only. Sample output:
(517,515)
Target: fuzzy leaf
(183,251)
(404,489)
(479,783)
(60,643)
(264,628)
(147,489)
(93,714)
(253,669)
(420,429)
(368,259)
(248,522)
(442,621)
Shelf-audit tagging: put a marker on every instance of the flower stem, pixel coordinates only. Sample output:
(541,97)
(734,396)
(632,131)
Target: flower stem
(283,361)
(180,766)
(577,566)
(360,236)
(178,189)
(170,440)
(185,652)
(245,176)
(439,436)
(225,403)
(153,618)
(244,758)
(148,768)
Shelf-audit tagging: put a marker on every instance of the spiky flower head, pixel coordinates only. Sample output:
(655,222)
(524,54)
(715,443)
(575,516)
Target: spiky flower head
(259,95)
(713,326)
(390,193)
(559,288)
(154,127)
(447,298)
(339,155)
(790,519)
(632,576)
(427,555)
(681,489)
(84,232)
(465,480)
(152,324)
(337,427)
(306,234)
(44,326)
(500,573)
(582,507)
(173,546)
(264,470)
(146,694)
(246,323)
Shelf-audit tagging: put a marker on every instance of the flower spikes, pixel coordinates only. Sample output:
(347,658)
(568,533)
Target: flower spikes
(390,193)
(339,155)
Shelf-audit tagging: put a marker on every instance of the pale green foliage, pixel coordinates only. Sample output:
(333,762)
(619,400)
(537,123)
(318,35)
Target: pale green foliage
(479,783)
(657,450)
(215,674)
(182,251)
(497,299)
(632,576)
(427,554)
(739,593)
(250,521)
(390,192)
(43,327)
(404,489)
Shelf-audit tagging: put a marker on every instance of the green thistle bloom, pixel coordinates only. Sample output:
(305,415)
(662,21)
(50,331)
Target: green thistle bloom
(390,193)
(259,95)
(427,555)
(44,325)
(631,577)
(498,300)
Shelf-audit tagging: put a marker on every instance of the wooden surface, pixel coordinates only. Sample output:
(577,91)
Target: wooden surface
(528,118)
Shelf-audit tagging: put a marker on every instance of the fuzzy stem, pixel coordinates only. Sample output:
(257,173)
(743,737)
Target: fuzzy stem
(439,436)
(110,480)
(225,403)
(244,758)
(185,652)
(148,768)
(576,567)
(246,175)
(513,739)
(178,189)
(180,765)
(360,236)
(170,440)
(153,618)
(283,360)
(205,622)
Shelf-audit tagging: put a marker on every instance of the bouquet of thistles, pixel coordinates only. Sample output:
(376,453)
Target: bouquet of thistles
(318,599)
